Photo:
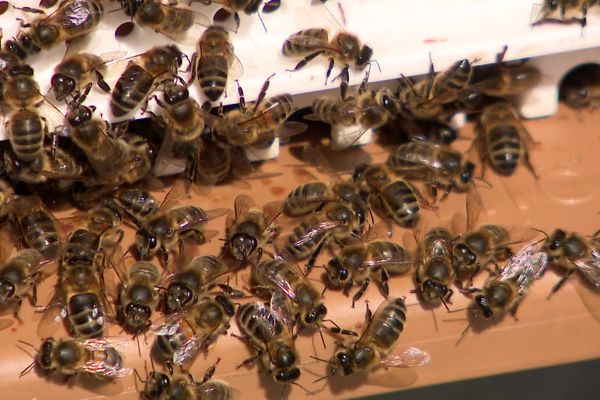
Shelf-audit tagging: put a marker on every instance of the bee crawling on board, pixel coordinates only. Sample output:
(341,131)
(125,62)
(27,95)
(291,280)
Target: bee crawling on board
(550,8)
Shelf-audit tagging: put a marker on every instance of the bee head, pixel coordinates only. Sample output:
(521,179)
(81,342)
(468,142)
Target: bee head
(433,290)
(316,314)
(7,290)
(174,94)
(62,86)
(137,316)
(463,256)
(149,12)
(341,364)
(156,384)
(45,359)
(178,296)
(78,116)
(46,34)
(484,306)
(336,273)
(364,57)
(146,243)
(242,246)
(555,243)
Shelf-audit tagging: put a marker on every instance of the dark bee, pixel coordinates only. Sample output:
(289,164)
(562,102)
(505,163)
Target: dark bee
(37,226)
(19,276)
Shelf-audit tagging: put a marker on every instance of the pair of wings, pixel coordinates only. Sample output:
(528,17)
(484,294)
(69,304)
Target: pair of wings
(99,367)
(244,203)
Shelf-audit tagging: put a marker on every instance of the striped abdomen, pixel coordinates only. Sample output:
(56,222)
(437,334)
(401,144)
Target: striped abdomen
(137,203)
(256,325)
(387,325)
(78,17)
(399,201)
(386,250)
(454,79)
(165,346)
(398,160)
(131,89)
(26,134)
(213,163)
(307,198)
(335,112)
(40,232)
(271,112)
(188,218)
(216,57)
(504,148)
(303,42)
(85,315)
(303,250)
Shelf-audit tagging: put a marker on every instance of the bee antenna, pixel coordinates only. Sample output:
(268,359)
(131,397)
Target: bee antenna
(262,22)
(319,359)
(489,185)
(27,344)
(308,392)
(322,338)
(445,304)
(136,374)
(541,231)
(376,63)
(27,369)
(320,379)
(137,339)
(463,334)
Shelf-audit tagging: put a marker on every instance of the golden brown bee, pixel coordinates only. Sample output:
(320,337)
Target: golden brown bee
(436,165)
(359,263)
(250,228)
(53,164)
(374,346)
(334,223)
(138,297)
(72,19)
(285,285)
(270,335)
(77,70)
(138,80)
(502,140)
(344,47)
(136,203)
(19,276)
(389,194)
(37,226)
(435,266)
(550,7)
(193,280)
(68,357)
(573,252)
(581,87)
(182,336)
(213,61)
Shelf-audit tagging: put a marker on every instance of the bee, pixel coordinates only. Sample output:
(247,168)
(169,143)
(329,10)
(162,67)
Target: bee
(439,166)
(192,281)
(263,122)
(581,88)
(344,47)
(388,193)
(19,275)
(359,263)
(505,80)
(504,291)
(250,228)
(479,246)
(72,19)
(374,346)
(159,385)
(182,336)
(573,252)
(270,335)
(435,266)
(69,357)
(550,7)
(310,197)
(172,20)
(77,70)
(138,297)
(212,61)
(502,140)
(214,160)
(285,284)
(137,204)
(335,222)
(168,227)
(138,80)
(37,226)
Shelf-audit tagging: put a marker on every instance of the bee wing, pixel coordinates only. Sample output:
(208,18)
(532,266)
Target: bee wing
(52,316)
(96,344)
(190,348)
(379,230)
(590,267)
(267,314)
(273,210)
(413,157)
(317,159)
(103,369)
(216,389)
(176,193)
(281,309)
(351,138)
(377,262)
(310,43)
(281,283)
(315,231)
(190,36)
(474,206)
(242,204)
(168,324)
(525,266)
(409,358)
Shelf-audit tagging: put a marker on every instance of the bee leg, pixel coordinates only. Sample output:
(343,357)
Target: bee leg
(361,291)
(329,69)
(528,164)
(33,297)
(560,283)
(101,82)
(305,61)
(313,257)
(345,77)
(249,361)
(336,329)
(263,91)
(368,314)
(514,305)
(383,284)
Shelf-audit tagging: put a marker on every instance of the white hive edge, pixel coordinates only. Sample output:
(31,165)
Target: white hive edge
(263,152)
(402,36)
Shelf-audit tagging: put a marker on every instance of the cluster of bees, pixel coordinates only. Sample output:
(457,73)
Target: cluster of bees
(101,165)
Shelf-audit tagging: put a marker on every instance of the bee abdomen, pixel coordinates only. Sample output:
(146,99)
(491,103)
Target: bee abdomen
(401,202)
(301,200)
(26,134)
(166,345)
(130,90)
(504,149)
(85,315)
(291,49)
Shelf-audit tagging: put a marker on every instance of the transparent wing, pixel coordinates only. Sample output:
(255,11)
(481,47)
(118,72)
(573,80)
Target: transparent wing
(290,128)
(208,215)
(215,389)
(102,343)
(310,43)
(413,157)
(273,210)
(168,324)
(525,266)
(316,231)
(190,348)
(281,310)
(349,139)
(104,369)
(176,193)
(590,267)
(384,260)
(317,159)
(52,317)
(264,313)
(474,206)
(242,204)
(411,357)
(277,279)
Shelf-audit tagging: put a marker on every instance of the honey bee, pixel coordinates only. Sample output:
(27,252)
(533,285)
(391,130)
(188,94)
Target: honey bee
(77,70)
(504,291)
(435,268)
(479,246)
(359,263)
(137,204)
(389,194)
(581,87)
(285,284)
(37,226)
(550,7)
(439,166)
(172,20)
(168,227)
(159,385)
(213,61)
(214,161)
(310,197)
(72,19)
(250,228)
(182,336)
(138,80)
(270,335)
(138,297)
(265,120)
(502,140)
(573,252)
(344,47)
(374,346)
(70,357)
(19,275)
(192,281)
(335,222)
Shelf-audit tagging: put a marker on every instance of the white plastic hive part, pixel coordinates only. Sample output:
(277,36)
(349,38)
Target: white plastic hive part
(402,35)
